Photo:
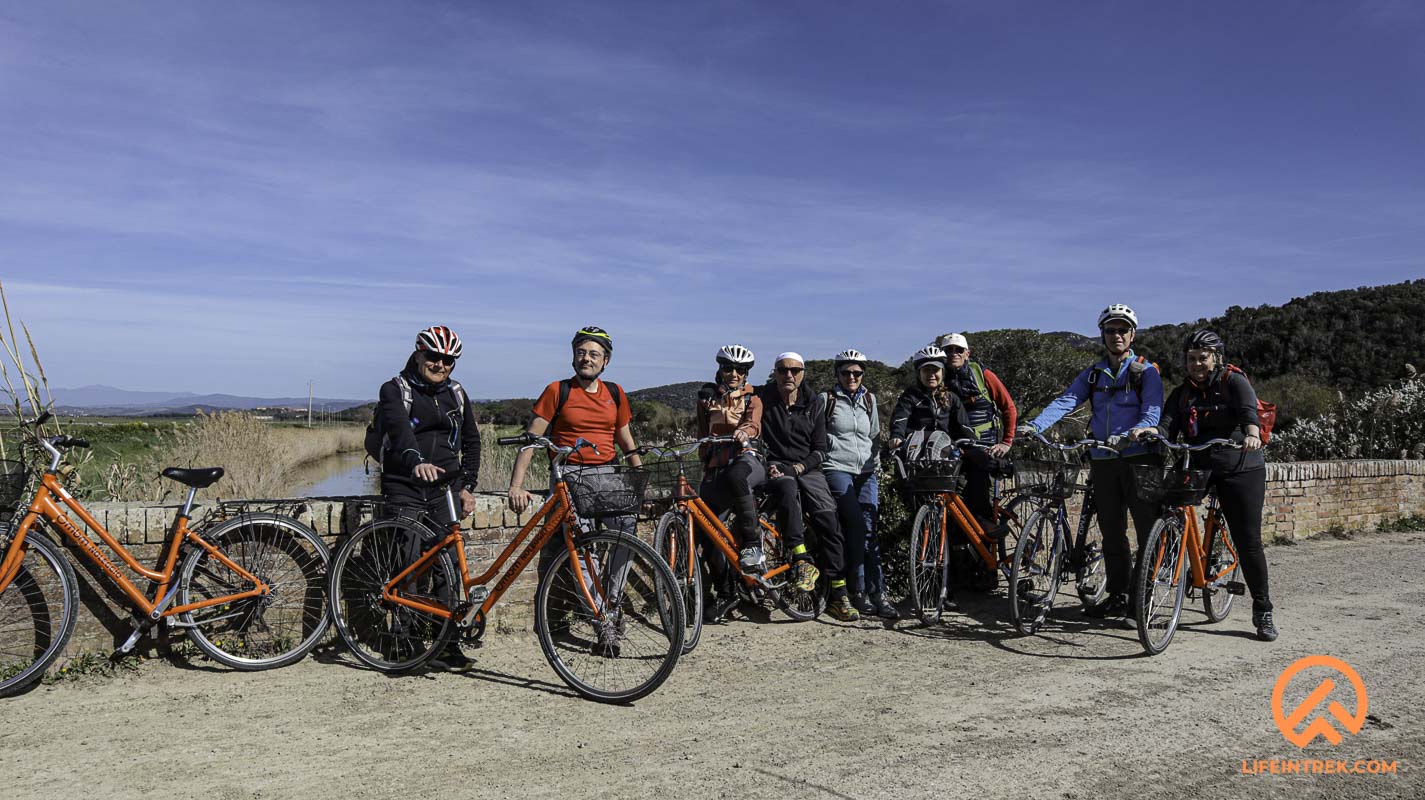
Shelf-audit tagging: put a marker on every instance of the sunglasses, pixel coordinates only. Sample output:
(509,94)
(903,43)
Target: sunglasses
(441,358)
(1117,331)
(956,349)
(738,368)
(853,373)
(790,370)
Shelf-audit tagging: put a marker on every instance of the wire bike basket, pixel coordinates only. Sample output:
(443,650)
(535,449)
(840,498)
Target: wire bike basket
(1049,477)
(607,490)
(14,477)
(1171,485)
(933,477)
(663,484)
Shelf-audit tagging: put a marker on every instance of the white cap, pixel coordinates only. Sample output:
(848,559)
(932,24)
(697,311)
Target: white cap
(953,340)
(791,355)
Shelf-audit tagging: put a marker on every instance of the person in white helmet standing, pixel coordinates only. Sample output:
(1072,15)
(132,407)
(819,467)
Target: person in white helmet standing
(1125,392)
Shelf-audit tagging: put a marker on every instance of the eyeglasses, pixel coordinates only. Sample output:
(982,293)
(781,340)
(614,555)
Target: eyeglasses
(956,349)
(739,368)
(1117,331)
(853,373)
(790,370)
(441,358)
(594,355)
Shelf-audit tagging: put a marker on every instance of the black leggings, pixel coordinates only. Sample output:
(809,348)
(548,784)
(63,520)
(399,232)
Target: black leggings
(1241,495)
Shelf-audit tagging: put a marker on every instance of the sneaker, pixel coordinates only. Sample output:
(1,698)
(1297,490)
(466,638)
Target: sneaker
(1116,608)
(840,608)
(1266,630)
(718,610)
(883,607)
(863,605)
(751,559)
(804,576)
(451,659)
(609,644)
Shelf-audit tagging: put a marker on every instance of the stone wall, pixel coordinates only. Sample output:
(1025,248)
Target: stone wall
(1302,499)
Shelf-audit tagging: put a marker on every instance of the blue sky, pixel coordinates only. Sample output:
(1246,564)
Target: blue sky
(239,197)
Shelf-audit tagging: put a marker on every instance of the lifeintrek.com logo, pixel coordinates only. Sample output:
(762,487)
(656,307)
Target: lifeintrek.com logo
(1320,715)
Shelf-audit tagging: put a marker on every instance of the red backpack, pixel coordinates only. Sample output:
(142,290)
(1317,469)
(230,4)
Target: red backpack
(1266,412)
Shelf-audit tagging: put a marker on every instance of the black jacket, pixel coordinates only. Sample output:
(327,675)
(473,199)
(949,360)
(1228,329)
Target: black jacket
(1223,408)
(917,410)
(793,434)
(436,431)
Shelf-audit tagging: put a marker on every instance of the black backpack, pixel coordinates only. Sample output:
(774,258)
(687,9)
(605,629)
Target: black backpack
(377,440)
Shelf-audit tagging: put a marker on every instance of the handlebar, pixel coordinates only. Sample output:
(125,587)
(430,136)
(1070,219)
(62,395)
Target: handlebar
(528,441)
(69,441)
(1096,444)
(678,450)
(1191,448)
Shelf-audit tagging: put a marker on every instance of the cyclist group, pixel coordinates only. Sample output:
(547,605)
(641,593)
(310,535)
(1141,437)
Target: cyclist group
(814,455)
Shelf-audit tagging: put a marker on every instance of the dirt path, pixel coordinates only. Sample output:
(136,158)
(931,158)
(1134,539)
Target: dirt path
(779,710)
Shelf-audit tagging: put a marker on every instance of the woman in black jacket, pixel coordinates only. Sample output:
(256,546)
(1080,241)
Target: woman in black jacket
(1218,402)
(929,405)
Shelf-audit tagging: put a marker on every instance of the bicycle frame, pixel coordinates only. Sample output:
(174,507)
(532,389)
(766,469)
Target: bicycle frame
(43,506)
(555,514)
(1194,545)
(953,506)
(701,518)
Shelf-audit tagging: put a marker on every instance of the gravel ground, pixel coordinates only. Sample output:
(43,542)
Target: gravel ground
(776,709)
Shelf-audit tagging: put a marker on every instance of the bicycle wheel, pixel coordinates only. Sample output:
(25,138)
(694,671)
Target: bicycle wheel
(1162,580)
(1221,558)
(616,637)
(1090,572)
(674,543)
(381,634)
(799,605)
(37,611)
(1035,571)
(929,565)
(267,631)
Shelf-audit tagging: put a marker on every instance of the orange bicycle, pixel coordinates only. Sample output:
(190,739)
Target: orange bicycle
(248,591)
(606,611)
(938,484)
(675,541)
(1211,564)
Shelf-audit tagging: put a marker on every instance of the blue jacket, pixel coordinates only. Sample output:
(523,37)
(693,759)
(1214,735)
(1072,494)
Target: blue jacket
(1117,407)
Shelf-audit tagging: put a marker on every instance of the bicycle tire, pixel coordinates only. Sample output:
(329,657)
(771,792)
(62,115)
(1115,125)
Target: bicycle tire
(1216,600)
(1090,571)
(1161,585)
(33,632)
(382,635)
(799,605)
(615,657)
(1035,572)
(264,632)
(928,565)
(674,543)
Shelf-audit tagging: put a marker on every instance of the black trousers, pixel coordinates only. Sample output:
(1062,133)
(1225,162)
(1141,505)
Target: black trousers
(808,494)
(1116,496)
(1242,495)
(732,487)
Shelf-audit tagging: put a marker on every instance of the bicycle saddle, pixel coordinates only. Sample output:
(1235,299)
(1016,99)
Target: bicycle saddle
(198,478)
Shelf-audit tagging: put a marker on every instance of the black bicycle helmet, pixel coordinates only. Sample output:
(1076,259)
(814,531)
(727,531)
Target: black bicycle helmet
(593,333)
(1204,339)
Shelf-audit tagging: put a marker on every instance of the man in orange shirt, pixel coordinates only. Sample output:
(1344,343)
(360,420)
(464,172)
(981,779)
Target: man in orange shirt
(586,407)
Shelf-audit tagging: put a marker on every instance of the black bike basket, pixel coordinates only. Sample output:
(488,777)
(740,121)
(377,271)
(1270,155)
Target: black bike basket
(1055,479)
(606,491)
(1171,485)
(14,476)
(934,477)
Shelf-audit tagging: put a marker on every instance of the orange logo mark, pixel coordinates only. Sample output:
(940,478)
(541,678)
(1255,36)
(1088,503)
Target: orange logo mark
(1320,726)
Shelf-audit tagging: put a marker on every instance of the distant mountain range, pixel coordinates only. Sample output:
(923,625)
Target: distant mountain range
(98,399)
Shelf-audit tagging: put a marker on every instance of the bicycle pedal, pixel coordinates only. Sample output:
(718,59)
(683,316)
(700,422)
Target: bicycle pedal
(1236,587)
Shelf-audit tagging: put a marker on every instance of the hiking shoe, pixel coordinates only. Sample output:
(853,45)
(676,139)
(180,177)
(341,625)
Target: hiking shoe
(883,608)
(718,610)
(609,644)
(804,576)
(1117,608)
(451,659)
(840,608)
(1266,630)
(751,559)
(863,605)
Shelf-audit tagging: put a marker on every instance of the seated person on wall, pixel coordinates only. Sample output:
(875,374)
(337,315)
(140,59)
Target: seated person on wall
(794,430)
(731,473)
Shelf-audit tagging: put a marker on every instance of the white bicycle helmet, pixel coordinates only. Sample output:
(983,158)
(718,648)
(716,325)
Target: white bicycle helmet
(735,355)
(929,354)
(849,356)
(439,339)
(1118,311)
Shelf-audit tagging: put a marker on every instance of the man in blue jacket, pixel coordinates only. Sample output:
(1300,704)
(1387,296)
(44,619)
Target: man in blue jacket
(1125,392)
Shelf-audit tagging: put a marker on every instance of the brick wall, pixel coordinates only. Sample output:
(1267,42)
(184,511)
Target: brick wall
(1302,499)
